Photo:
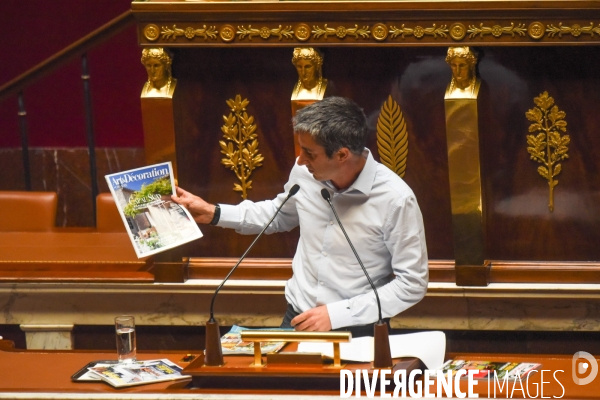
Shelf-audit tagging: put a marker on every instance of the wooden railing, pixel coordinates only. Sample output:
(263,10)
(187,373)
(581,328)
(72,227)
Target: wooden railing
(77,49)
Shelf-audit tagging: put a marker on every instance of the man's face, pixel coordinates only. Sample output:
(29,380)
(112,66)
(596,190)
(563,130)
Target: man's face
(461,70)
(306,72)
(313,156)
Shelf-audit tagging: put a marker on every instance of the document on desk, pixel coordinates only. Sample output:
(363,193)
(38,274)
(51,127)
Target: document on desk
(429,347)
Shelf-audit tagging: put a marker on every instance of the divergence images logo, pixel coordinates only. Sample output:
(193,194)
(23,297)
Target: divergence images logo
(582,361)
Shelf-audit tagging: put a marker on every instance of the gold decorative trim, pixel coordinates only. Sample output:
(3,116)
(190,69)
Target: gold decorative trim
(302,32)
(392,137)
(574,30)
(458,31)
(189,32)
(265,32)
(240,129)
(380,32)
(227,33)
(548,147)
(341,32)
(419,31)
(151,32)
(496,30)
(536,30)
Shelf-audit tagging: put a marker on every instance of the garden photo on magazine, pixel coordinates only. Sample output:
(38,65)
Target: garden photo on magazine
(154,222)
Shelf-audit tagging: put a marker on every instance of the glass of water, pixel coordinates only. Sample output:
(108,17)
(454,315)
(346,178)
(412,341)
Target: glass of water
(125,329)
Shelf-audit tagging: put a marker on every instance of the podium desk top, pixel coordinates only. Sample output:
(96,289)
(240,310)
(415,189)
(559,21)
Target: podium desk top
(43,374)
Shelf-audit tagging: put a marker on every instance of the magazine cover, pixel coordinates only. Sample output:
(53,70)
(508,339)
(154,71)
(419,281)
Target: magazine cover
(486,368)
(154,222)
(231,343)
(138,373)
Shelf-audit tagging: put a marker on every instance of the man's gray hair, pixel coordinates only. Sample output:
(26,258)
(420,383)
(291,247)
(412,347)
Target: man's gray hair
(334,123)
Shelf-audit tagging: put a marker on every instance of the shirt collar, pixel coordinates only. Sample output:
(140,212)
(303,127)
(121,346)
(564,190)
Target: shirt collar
(364,182)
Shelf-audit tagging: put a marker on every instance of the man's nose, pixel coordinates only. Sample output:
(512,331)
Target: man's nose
(301,160)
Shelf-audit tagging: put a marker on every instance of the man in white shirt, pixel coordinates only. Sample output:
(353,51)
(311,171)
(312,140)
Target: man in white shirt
(328,289)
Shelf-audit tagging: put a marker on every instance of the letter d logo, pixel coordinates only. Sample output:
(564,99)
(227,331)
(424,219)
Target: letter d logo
(583,366)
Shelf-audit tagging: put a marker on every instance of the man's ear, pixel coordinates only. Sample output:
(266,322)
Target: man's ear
(343,154)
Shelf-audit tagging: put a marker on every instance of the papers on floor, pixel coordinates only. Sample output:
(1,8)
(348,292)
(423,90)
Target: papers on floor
(429,347)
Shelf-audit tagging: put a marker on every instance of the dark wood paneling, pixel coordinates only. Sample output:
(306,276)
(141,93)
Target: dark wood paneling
(519,224)
(416,79)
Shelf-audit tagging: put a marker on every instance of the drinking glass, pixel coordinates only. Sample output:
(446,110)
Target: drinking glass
(125,329)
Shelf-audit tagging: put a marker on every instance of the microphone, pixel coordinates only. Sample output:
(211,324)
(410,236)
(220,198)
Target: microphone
(213,354)
(383,356)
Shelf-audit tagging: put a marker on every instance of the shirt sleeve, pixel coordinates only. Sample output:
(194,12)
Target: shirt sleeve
(250,217)
(404,237)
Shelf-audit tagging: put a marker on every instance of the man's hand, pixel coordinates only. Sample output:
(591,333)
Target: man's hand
(315,319)
(201,211)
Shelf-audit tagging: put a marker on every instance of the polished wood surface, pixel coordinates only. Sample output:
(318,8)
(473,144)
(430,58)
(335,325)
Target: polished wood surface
(45,372)
(70,257)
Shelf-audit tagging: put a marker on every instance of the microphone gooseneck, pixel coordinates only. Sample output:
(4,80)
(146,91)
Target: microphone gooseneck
(327,196)
(292,192)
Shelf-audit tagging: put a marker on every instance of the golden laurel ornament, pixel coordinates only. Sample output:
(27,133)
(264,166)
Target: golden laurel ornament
(240,146)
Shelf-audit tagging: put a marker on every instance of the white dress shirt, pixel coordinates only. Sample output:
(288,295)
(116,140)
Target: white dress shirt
(383,220)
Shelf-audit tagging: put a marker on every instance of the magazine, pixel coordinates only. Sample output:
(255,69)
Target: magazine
(491,369)
(153,221)
(231,342)
(138,373)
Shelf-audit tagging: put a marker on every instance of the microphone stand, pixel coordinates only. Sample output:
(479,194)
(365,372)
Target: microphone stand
(213,353)
(381,336)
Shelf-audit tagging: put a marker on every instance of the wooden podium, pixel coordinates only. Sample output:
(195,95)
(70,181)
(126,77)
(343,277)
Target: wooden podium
(280,372)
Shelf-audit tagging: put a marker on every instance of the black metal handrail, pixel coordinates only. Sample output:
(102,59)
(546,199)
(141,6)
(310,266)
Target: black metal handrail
(76,49)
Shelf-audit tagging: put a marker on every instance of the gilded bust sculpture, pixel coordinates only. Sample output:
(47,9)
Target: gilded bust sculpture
(157,62)
(311,85)
(463,62)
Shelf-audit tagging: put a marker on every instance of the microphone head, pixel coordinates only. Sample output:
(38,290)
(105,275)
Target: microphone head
(325,194)
(294,190)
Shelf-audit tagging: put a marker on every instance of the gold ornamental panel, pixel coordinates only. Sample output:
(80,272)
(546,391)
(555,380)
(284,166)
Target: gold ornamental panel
(265,32)
(548,147)
(575,30)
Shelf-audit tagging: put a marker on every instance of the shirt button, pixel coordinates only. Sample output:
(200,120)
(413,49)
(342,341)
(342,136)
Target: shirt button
(330,222)
(324,253)
(321,283)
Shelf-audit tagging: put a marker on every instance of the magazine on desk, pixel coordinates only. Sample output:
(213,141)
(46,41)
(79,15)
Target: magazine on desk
(231,342)
(153,221)
(138,373)
(492,369)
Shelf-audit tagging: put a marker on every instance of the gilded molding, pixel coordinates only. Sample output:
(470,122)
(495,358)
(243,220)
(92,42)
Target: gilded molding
(265,32)
(574,30)
(458,31)
(496,30)
(536,30)
(341,32)
(548,147)
(419,31)
(189,32)
(392,137)
(302,32)
(151,32)
(240,130)
(227,33)
(380,32)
